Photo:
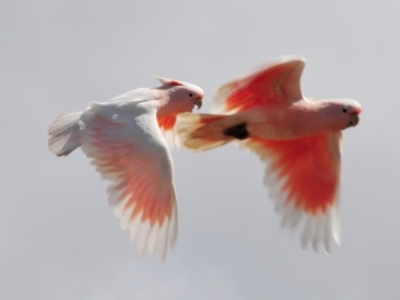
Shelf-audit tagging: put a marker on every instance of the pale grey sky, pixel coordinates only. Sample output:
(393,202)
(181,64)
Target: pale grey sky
(59,237)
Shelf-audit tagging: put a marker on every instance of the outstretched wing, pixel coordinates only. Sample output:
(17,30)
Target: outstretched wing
(278,81)
(132,154)
(303,177)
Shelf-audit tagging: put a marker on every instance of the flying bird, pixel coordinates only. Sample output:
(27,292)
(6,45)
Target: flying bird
(123,138)
(299,139)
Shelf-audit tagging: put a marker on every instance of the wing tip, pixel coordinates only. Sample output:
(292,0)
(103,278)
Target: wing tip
(315,231)
(220,105)
(155,238)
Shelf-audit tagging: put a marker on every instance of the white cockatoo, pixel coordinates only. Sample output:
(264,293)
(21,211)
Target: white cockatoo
(123,138)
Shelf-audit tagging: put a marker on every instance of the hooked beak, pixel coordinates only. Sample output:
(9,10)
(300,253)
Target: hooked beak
(354,119)
(198,103)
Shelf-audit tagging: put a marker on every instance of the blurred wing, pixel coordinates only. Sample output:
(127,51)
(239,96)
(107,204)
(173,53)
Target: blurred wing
(167,126)
(136,159)
(279,81)
(303,177)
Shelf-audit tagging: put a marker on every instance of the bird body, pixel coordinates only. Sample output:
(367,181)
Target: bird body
(282,121)
(298,138)
(124,140)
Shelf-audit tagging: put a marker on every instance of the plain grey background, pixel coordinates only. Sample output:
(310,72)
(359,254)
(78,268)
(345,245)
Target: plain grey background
(59,237)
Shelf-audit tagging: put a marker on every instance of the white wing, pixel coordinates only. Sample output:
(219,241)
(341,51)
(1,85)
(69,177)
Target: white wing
(127,148)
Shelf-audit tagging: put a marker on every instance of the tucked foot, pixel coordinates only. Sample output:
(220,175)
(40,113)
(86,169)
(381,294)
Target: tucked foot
(238,132)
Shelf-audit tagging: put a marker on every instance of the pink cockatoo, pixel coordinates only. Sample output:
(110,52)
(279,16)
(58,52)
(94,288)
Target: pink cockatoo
(123,139)
(298,138)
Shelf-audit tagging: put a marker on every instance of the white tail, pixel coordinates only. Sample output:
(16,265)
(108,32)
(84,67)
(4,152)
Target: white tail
(64,134)
(199,132)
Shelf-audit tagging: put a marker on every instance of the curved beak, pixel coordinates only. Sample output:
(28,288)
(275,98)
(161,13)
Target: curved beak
(354,119)
(198,103)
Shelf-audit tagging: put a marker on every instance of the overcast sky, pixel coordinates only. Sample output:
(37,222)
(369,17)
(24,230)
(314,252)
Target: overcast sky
(59,237)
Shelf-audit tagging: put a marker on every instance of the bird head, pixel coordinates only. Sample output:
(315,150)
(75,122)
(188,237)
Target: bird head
(184,96)
(343,113)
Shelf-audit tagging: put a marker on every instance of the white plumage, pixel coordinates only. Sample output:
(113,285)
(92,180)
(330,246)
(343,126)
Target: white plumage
(123,139)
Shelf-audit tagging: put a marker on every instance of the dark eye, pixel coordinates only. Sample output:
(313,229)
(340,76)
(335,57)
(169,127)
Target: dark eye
(190,95)
(344,110)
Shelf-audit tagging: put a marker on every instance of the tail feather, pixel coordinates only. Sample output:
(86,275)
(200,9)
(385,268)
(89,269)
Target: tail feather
(64,134)
(199,132)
